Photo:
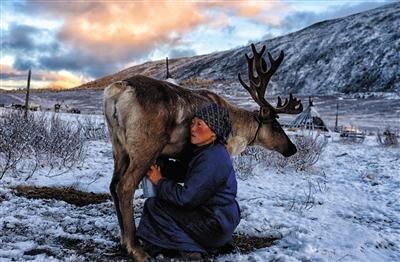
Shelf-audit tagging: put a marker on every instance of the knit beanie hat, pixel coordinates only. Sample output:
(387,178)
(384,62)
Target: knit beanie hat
(218,120)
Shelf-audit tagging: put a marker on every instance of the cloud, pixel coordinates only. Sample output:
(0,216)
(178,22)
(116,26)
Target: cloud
(27,43)
(24,63)
(113,30)
(39,49)
(98,38)
(264,12)
(8,72)
(187,52)
(19,37)
(64,79)
(13,78)
(26,37)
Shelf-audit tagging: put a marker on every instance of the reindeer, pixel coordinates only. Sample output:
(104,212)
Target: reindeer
(57,107)
(147,118)
(72,110)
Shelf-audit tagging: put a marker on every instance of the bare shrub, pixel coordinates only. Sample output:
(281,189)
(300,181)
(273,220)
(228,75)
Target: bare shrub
(388,137)
(38,142)
(11,144)
(309,150)
(93,130)
(245,162)
(308,200)
(65,145)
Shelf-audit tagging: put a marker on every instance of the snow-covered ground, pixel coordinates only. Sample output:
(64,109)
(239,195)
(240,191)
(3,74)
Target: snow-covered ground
(345,208)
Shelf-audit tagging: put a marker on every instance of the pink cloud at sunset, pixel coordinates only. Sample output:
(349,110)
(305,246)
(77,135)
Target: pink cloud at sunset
(41,78)
(113,28)
(266,12)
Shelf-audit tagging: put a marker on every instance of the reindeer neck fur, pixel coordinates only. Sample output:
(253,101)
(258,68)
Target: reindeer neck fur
(244,127)
(244,123)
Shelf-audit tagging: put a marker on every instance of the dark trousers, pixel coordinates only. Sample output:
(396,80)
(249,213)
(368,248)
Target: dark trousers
(200,223)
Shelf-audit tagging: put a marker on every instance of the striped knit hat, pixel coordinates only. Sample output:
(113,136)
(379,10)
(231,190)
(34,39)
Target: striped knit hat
(218,120)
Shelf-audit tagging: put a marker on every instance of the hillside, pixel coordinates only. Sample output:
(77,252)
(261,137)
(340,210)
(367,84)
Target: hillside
(358,53)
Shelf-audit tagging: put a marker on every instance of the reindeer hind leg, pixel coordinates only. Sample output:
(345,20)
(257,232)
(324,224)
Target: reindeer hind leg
(120,167)
(139,163)
(121,164)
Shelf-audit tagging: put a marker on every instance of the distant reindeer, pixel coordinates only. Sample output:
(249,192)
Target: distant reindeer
(72,110)
(17,106)
(35,107)
(57,107)
(147,118)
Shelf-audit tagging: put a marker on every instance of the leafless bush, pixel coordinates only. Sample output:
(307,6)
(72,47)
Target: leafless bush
(308,200)
(93,130)
(305,202)
(388,137)
(65,144)
(245,162)
(243,166)
(309,150)
(38,142)
(11,144)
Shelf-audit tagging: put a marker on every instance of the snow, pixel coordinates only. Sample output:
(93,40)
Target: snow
(355,217)
(345,208)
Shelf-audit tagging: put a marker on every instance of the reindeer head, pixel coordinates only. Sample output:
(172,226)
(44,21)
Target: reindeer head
(269,133)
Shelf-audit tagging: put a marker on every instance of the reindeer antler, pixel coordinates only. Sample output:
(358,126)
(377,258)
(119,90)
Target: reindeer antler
(293,106)
(259,82)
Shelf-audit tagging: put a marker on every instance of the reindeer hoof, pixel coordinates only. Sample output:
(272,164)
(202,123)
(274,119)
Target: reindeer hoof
(138,254)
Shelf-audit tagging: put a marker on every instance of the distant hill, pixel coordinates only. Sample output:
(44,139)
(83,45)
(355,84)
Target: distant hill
(357,53)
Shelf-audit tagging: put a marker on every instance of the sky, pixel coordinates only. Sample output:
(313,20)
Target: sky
(68,43)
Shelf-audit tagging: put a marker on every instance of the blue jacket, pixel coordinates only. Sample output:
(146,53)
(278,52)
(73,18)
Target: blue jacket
(210,183)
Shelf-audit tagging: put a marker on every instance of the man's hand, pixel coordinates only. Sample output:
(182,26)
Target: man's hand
(154,174)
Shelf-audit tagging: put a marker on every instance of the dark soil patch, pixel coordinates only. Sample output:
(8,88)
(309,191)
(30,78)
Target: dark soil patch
(67,194)
(2,198)
(77,245)
(38,251)
(246,244)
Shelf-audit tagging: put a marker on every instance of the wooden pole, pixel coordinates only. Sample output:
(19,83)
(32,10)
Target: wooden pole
(27,94)
(168,75)
(337,116)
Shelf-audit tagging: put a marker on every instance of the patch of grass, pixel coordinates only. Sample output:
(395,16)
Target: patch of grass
(67,194)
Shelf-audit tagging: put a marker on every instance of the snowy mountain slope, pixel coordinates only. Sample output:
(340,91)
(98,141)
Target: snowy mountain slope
(358,53)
